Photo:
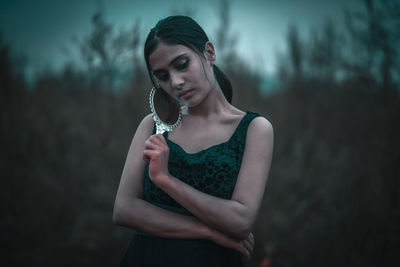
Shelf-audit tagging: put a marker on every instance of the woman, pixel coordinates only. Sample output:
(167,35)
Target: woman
(193,195)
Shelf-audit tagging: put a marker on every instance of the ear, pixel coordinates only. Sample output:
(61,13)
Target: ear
(209,53)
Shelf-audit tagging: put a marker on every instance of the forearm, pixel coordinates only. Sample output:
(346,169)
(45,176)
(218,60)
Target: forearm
(228,216)
(142,216)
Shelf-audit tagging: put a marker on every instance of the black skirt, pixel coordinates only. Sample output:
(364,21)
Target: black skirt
(151,251)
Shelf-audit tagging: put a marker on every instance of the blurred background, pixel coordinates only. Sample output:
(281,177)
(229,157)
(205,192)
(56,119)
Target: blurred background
(73,89)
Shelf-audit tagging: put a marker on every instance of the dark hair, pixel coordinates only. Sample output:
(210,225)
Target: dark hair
(185,31)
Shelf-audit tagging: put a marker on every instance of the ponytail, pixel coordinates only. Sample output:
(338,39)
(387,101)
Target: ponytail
(224,83)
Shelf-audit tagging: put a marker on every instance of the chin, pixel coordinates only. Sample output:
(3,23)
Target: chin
(193,102)
(188,104)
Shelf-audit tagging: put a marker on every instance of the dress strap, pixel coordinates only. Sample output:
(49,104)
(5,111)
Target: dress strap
(241,131)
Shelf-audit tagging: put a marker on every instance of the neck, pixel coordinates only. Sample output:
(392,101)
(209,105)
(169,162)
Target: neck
(214,103)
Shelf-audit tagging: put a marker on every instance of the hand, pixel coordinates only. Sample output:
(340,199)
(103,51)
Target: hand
(156,153)
(244,247)
(248,243)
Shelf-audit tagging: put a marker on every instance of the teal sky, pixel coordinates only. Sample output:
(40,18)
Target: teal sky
(42,29)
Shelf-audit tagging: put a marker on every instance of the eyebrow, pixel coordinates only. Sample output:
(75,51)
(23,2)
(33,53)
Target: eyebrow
(170,63)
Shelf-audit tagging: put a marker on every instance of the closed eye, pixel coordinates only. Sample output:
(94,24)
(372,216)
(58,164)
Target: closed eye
(183,64)
(162,76)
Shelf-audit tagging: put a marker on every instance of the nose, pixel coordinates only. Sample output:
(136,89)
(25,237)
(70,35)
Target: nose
(177,81)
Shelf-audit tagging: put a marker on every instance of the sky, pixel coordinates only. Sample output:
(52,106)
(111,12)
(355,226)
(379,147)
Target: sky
(43,29)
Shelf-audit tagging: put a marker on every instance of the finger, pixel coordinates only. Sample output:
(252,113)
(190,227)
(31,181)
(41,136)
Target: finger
(154,138)
(150,145)
(228,242)
(148,154)
(155,141)
(245,253)
(159,141)
(246,256)
(248,246)
(238,247)
(251,239)
(160,137)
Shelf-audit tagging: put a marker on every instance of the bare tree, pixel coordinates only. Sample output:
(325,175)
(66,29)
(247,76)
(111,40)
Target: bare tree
(296,52)
(224,37)
(324,55)
(111,55)
(376,37)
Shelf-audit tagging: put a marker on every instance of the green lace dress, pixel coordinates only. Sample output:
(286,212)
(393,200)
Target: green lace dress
(213,171)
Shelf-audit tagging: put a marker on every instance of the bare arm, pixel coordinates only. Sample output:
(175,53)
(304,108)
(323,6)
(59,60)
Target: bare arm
(236,216)
(131,211)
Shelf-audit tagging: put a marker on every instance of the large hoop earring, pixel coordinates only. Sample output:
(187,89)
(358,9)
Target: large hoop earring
(164,126)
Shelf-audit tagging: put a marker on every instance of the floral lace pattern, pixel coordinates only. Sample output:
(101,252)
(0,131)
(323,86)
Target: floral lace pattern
(213,171)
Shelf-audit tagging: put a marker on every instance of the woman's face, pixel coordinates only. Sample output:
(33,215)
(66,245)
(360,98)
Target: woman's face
(182,73)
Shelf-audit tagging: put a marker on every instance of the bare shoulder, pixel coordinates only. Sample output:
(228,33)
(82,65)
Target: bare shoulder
(260,139)
(143,131)
(260,134)
(146,125)
(260,125)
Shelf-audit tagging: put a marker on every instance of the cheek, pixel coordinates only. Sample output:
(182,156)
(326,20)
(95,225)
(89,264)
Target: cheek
(197,70)
(208,78)
(204,76)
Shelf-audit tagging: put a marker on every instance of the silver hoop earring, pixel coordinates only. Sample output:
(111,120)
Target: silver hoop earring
(167,113)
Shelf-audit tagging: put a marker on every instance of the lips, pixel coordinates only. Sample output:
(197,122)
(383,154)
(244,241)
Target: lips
(185,93)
